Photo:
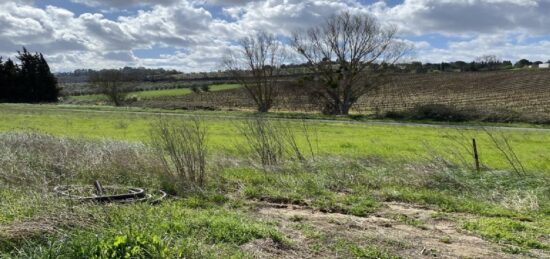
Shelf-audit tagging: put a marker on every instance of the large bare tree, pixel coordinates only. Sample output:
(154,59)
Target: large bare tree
(256,66)
(346,54)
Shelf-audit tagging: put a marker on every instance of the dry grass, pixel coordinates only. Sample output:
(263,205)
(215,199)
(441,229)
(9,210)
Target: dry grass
(43,161)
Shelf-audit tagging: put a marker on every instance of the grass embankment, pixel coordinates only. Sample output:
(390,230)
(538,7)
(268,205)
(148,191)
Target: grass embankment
(355,170)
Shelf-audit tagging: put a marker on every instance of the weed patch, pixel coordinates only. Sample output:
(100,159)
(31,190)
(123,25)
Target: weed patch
(512,231)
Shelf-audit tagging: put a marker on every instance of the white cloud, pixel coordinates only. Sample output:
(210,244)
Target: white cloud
(468,16)
(502,45)
(124,3)
(182,25)
(286,16)
(199,36)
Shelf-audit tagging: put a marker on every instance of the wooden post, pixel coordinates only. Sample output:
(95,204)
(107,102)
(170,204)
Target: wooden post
(476,155)
(98,188)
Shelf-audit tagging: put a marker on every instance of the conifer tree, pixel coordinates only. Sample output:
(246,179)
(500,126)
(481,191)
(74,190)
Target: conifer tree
(8,77)
(48,86)
(35,81)
(3,83)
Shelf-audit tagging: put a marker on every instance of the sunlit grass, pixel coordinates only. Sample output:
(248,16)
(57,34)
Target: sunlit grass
(410,143)
(152,94)
(358,168)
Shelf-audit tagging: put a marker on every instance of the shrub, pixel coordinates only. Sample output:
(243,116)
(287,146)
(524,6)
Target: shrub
(271,142)
(181,145)
(440,112)
(264,140)
(437,112)
(443,112)
(195,89)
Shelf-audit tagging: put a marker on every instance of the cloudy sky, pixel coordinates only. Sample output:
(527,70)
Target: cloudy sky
(192,35)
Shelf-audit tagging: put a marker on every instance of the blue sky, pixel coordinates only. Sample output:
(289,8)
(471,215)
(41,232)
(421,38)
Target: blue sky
(194,35)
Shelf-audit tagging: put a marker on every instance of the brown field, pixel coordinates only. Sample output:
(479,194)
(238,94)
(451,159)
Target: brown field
(525,91)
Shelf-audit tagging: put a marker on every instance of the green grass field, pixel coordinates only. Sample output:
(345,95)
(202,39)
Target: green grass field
(359,169)
(335,137)
(153,93)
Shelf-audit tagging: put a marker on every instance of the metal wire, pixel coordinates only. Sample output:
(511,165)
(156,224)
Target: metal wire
(117,194)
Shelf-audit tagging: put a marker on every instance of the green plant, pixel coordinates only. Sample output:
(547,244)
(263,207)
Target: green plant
(182,147)
(272,142)
(509,230)
(195,89)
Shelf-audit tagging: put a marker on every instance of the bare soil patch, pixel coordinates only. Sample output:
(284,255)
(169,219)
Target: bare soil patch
(404,230)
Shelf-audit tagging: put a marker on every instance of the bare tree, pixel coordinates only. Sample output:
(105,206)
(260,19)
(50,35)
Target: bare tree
(347,54)
(491,61)
(112,83)
(256,66)
(488,59)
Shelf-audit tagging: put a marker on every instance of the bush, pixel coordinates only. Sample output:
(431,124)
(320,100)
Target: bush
(271,142)
(264,140)
(443,112)
(438,112)
(181,145)
(195,89)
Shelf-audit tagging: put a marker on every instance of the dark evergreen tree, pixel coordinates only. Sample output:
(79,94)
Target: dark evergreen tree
(27,78)
(8,78)
(3,82)
(48,90)
(35,82)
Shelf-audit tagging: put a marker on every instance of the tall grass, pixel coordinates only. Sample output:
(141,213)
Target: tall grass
(31,163)
(42,161)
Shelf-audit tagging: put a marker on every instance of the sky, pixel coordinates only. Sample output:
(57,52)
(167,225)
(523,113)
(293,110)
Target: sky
(194,35)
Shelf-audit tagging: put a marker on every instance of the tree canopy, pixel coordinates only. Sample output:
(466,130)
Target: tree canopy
(29,81)
(346,54)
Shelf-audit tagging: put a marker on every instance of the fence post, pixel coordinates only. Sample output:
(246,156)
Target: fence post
(98,188)
(476,155)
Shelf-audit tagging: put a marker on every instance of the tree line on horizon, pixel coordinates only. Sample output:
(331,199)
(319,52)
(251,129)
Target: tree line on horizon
(480,64)
(30,81)
(140,74)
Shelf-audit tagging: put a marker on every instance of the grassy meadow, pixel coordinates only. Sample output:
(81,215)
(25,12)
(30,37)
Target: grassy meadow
(355,180)
(152,94)
(402,142)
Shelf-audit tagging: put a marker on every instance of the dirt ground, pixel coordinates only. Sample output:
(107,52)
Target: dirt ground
(404,230)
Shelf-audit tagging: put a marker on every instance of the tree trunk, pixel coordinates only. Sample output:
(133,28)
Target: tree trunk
(263,108)
(337,107)
(344,108)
